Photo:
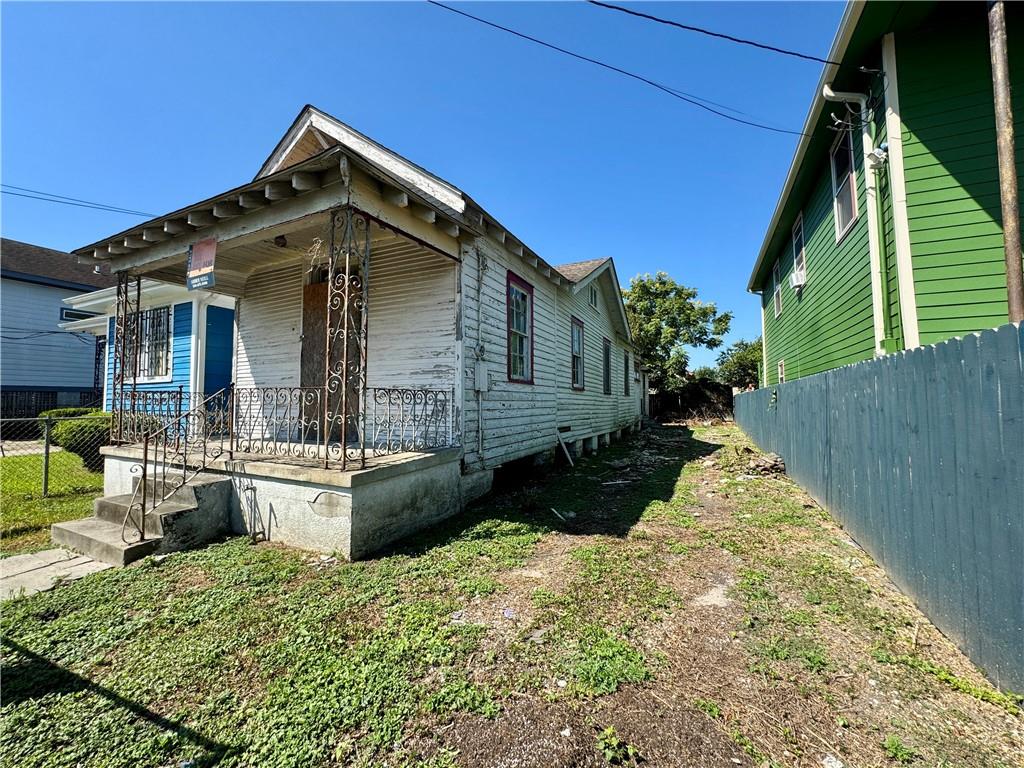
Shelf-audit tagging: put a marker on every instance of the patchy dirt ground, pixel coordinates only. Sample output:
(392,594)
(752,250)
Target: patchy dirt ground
(672,601)
(781,642)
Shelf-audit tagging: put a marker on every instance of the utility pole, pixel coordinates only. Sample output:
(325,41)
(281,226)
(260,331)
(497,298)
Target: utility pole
(1007,164)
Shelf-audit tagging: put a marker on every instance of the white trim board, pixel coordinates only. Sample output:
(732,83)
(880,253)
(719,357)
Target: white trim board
(898,185)
(874,232)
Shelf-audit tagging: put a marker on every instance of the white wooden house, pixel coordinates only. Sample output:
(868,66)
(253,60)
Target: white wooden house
(394,344)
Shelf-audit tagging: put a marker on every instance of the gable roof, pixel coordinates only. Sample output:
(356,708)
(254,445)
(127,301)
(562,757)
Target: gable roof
(456,211)
(582,273)
(313,131)
(576,271)
(46,266)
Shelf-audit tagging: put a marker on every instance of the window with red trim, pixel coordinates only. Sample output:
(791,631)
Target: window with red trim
(607,361)
(519,321)
(576,352)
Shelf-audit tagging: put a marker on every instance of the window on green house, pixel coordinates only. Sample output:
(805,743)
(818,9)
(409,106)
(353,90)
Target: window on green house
(777,288)
(799,257)
(844,192)
(782,371)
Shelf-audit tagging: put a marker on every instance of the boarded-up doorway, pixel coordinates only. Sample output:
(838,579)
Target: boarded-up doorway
(312,362)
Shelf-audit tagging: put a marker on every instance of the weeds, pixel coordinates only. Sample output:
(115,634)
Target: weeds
(1009,701)
(709,708)
(614,750)
(897,750)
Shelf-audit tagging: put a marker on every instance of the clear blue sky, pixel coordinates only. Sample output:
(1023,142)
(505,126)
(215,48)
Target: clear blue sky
(153,106)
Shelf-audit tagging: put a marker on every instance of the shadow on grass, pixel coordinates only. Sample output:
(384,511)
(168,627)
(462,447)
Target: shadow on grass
(606,494)
(31,676)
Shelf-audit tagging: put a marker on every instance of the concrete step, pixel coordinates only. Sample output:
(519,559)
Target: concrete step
(187,493)
(101,540)
(113,508)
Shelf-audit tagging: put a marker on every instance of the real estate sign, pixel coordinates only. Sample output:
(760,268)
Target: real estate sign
(201,258)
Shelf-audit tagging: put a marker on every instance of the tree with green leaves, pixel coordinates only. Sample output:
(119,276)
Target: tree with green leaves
(666,317)
(737,365)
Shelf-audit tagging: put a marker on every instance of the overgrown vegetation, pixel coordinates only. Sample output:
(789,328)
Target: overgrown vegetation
(568,608)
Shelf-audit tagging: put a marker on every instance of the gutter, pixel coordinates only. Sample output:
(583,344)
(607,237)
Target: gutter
(837,52)
(876,237)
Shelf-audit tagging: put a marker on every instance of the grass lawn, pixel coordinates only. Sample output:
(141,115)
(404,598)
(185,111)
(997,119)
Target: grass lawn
(693,615)
(25,516)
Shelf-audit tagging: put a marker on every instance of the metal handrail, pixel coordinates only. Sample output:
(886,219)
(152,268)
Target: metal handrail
(170,447)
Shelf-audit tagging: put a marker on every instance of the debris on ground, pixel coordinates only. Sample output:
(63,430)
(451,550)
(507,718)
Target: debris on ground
(767,464)
(321,562)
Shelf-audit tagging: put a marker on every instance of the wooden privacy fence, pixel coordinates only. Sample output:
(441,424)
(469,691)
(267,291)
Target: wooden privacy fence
(920,456)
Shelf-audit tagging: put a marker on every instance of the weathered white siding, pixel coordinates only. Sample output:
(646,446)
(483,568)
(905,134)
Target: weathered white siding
(523,419)
(590,411)
(518,419)
(56,360)
(411,333)
(269,337)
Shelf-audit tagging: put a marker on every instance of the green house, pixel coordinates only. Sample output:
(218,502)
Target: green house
(888,232)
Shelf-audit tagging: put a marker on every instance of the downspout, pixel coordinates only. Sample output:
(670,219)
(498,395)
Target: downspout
(874,205)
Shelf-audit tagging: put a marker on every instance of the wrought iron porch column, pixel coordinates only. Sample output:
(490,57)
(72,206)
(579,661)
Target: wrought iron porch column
(345,339)
(125,349)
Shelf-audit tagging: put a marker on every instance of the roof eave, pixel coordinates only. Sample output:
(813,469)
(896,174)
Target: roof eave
(847,25)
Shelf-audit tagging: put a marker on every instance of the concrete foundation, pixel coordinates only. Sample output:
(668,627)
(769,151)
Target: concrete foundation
(350,513)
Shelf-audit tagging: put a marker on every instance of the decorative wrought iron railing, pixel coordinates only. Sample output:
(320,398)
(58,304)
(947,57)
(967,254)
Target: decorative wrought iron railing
(283,422)
(145,411)
(410,419)
(173,454)
(302,422)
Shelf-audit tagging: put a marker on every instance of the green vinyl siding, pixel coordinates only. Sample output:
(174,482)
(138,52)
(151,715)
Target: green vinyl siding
(952,178)
(829,323)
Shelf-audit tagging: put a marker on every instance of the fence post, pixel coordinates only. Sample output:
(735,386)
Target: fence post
(46,456)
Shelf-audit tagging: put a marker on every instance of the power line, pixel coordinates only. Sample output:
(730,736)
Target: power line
(681,95)
(711,33)
(50,197)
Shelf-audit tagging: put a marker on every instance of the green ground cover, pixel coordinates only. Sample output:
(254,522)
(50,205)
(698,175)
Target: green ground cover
(566,622)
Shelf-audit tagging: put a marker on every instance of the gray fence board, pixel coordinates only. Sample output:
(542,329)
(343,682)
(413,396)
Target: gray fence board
(920,456)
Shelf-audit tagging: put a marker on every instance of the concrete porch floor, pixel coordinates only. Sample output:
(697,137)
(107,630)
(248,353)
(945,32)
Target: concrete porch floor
(296,501)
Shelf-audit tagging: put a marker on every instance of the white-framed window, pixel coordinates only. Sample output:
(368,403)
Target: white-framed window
(799,251)
(593,296)
(844,183)
(520,329)
(625,374)
(781,368)
(777,288)
(576,353)
(149,347)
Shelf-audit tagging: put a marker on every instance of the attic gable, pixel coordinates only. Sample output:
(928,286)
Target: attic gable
(314,131)
(602,273)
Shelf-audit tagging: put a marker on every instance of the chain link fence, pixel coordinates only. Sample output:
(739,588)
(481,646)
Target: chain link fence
(51,469)
(52,455)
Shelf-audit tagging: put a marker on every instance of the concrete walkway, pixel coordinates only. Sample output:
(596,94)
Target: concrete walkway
(40,571)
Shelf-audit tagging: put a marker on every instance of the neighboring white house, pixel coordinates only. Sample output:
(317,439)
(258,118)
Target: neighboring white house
(187,342)
(41,365)
(394,343)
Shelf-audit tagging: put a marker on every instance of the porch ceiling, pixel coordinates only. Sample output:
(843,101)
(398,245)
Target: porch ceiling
(236,265)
